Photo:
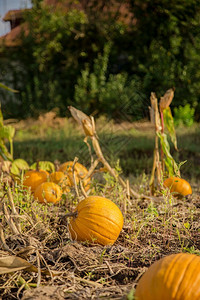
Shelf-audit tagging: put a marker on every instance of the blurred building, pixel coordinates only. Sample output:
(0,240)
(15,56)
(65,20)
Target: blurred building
(17,25)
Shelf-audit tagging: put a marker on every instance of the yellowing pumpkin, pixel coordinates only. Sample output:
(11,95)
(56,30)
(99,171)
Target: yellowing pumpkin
(56,177)
(174,277)
(33,178)
(178,185)
(62,180)
(79,170)
(48,192)
(97,220)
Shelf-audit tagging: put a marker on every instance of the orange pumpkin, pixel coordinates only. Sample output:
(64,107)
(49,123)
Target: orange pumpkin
(48,192)
(174,277)
(178,185)
(79,170)
(61,179)
(56,177)
(97,220)
(33,178)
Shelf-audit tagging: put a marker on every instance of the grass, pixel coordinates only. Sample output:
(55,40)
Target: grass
(133,146)
(152,229)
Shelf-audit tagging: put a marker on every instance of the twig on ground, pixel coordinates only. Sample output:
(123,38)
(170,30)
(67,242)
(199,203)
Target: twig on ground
(14,211)
(83,190)
(74,178)
(39,268)
(9,220)
(3,241)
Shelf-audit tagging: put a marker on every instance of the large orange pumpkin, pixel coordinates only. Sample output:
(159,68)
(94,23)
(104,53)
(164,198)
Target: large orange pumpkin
(33,178)
(48,192)
(97,220)
(79,170)
(178,185)
(174,277)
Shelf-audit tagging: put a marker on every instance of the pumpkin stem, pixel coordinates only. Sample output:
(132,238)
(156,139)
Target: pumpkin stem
(56,164)
(74,178)
(37,165)
(72,214)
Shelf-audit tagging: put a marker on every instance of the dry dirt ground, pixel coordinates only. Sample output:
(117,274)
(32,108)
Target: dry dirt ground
(68,269)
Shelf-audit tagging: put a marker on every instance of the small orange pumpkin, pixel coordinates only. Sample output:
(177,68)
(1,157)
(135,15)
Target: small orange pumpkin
(97,220)
(57,176)
(33,178)
(48,192)
(178,185)
(174,277)
(79,170)
(62,180)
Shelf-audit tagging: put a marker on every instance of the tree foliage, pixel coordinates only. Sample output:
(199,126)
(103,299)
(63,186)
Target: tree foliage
(167,36)
(154,46)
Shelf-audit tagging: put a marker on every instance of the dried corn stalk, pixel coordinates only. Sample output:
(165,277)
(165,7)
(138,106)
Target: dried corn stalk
(88,126)
(166,100)
(160,117)
(156,158)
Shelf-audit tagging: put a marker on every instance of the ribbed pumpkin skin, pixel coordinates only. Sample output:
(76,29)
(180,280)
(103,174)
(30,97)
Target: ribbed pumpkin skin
(34,178)
(174,277)
(56,177)
(178,185)
(98,220)
(80,172)
(62,180)
(79,168)
(48,192)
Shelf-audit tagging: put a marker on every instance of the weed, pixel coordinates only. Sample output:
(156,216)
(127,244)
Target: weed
(184,115)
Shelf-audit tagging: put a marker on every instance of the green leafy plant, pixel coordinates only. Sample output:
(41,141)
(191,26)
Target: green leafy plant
(5,87)
(43,165)
(97,88)
(184,115)
(7,133)
(18,167)
(169,161)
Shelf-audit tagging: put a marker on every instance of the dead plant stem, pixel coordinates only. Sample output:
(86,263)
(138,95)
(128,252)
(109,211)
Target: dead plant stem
(14,211)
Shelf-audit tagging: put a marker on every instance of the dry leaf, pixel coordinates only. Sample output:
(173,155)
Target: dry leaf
(6,164)
(24,252)
(87,127)
(9,264)
(13,263)
(166,100)
(78,115)
(154,111)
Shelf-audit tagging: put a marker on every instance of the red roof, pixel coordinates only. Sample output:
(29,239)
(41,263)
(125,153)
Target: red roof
(13,38)
(14,14)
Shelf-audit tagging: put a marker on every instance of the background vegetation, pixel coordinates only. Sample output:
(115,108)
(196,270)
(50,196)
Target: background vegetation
(104,55)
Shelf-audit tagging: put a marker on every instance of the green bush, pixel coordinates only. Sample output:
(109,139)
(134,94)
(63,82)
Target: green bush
(184,115)
(115,95)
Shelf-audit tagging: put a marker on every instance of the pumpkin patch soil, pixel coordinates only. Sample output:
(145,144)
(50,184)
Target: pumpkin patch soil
(83,271)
